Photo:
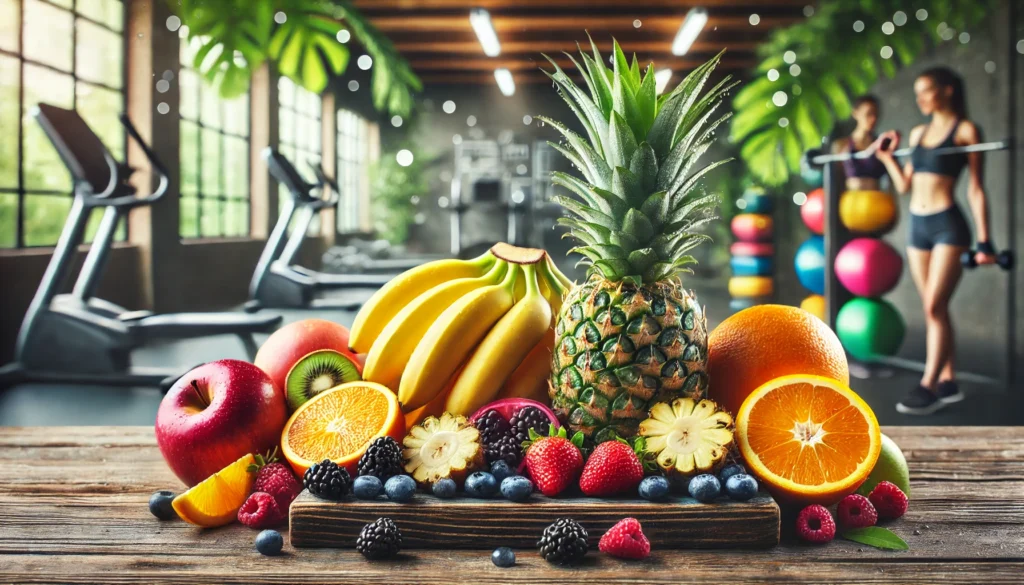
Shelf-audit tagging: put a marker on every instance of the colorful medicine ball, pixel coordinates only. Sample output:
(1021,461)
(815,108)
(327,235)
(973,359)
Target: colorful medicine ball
(870,328)
(810,264)
(752,227)
(813,211)
(867,212)
(751,249)
(757,201)
(815,305)
(751,286)
(868,267)
(752,265)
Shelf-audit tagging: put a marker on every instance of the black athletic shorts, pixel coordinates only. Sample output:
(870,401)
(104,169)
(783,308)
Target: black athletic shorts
(945,227)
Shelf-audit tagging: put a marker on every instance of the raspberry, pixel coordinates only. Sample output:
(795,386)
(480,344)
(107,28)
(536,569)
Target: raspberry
(625,540)
(815,524)
(260,511)
(889,500)
(278,480)
(856,511)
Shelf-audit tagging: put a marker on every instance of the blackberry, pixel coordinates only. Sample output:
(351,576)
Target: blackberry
(528,418)
(327,481)
(379,539)
(505,449)
(492,426)
(563,542)
(383,459)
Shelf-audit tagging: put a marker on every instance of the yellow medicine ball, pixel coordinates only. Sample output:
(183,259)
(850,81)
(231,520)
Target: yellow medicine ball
(751,286)
(815,305)
(867,212)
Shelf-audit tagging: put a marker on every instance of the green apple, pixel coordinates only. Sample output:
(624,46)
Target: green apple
(891,466)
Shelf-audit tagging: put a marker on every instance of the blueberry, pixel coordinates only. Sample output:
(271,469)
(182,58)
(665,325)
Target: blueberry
(481,485)
(729,471)
(516,488)
(444,488)
(400,488)
(367,487)
(741,487)
(269,542)
(705,488)
(654,488)
(160,505)
(503,557)
(500,470)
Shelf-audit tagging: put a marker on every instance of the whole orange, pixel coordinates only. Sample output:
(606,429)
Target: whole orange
(765,342)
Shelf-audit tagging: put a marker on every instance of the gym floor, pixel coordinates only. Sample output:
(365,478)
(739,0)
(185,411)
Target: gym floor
(85,405)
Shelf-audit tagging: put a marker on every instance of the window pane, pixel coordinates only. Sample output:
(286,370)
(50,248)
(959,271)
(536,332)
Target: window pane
(9,119)
(237,218)
(109,12)
(43,168)
(236,167)
(210,107)
(100,108)
(211,220)
(188,87)
(187,222)
(236,116)
(10,25)
(48,34)
(211,164)
(286,124)
(285,92)
(8,220)
(98,55)
(189,153)
(44,218)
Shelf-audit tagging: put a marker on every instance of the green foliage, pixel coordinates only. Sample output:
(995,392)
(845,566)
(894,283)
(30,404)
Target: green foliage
(237,36)
(392,187)
(877,537)
(836,63)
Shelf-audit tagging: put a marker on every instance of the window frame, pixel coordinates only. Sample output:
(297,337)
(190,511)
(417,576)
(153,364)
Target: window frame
(292,149)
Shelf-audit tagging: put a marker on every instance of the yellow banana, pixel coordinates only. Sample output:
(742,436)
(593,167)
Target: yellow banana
(433,408)
(551,285)
(451,338)
(551,271)
(390,353)
(401,290)
(530,379)
(502,350)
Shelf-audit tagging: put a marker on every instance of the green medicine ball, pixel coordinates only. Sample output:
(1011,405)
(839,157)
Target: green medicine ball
(870,328)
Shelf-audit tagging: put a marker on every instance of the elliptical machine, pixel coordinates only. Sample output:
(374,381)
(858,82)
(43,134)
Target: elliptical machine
(81,339)
(277,281)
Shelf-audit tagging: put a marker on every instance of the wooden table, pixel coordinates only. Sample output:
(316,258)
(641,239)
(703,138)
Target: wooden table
(73,509)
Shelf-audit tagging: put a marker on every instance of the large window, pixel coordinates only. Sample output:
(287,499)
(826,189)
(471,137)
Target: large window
(214,157)
(67,53)
(356,139)
(300,136)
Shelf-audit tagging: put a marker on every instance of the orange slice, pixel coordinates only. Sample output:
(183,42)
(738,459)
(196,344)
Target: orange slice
(339,424)
(809,439)
(215,500)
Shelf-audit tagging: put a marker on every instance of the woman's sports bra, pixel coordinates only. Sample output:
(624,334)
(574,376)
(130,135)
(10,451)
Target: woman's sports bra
(863,168)
(926,160)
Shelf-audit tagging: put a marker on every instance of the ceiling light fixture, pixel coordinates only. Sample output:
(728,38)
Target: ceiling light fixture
(694,22)
(661,79)
(480,20)
(506,84)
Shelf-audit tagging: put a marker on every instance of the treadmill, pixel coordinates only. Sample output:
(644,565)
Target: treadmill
(78,338)
(280,283)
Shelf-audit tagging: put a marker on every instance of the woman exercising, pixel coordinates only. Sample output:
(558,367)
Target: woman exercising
(938,230)
(862,174)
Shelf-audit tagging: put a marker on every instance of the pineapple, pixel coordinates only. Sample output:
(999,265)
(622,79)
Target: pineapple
(631,335)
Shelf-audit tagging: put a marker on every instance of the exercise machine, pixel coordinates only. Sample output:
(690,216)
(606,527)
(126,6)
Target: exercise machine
(277,280)
(78,337)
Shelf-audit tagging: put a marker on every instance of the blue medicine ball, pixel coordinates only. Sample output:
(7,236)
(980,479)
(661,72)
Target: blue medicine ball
(810,264)
(752,265)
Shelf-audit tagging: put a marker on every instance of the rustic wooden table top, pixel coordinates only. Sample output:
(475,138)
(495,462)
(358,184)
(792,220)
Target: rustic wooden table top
(73,509)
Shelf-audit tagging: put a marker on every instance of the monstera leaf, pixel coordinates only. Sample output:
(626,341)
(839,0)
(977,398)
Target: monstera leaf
(777,118)
(232,38)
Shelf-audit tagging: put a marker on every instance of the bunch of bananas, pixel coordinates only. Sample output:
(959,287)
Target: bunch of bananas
(454,335)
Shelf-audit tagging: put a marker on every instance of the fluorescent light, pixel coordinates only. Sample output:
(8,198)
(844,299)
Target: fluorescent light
(505,82)
(480,19)
(661,79)
(694,22)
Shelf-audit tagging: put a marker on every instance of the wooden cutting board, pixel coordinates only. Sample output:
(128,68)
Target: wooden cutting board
(428,522)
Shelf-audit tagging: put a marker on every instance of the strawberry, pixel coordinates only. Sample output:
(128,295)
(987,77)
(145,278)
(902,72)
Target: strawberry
(612,468)
(554,461)
(625,540)
(275,479)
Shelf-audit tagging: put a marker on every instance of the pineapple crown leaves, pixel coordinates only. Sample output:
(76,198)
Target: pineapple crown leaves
(262,461)
(639,199)
(577,438)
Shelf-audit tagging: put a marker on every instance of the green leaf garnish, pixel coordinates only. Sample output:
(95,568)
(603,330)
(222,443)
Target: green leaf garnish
(877,537)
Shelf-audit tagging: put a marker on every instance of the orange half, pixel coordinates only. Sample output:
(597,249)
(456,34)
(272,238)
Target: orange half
(339,424)
(810,439)
(215,500)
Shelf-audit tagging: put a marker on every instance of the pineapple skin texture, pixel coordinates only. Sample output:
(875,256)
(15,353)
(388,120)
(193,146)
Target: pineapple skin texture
(620,348)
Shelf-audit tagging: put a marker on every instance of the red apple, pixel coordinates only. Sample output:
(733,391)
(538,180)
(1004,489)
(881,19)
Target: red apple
(217,413)
(289,344)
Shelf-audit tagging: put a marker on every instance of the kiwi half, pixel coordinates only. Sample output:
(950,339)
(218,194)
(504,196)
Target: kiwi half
(315,372)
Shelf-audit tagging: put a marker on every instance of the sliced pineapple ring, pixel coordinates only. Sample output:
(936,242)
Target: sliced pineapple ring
(448,446)
(687,436)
